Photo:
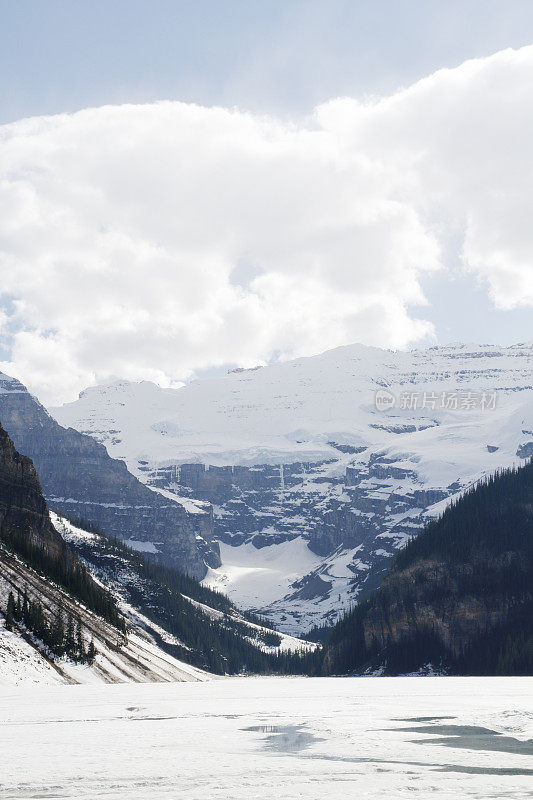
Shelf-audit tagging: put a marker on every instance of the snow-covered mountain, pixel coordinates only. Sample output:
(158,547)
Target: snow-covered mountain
(318,469)
(79,479)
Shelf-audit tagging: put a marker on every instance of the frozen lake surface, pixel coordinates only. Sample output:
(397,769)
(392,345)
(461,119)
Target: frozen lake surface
(286,738)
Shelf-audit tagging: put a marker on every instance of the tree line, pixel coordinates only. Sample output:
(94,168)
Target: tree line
(61,634)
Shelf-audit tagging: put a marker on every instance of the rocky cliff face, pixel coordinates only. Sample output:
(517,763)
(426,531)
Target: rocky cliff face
(315,480)
(22,505)
(80,479)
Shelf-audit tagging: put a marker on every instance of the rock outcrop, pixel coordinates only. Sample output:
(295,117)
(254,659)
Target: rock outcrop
(22,505)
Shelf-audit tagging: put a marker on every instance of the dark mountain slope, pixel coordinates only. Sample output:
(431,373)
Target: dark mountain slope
(26,531)
(53,589)
(79,478)
(22,506)
(460,595)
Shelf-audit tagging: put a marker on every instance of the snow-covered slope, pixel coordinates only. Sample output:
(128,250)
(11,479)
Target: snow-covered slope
(147,654)
(21,663)
(23,659)
(347,452)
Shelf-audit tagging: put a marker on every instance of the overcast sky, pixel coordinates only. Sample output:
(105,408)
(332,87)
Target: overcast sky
(205,184)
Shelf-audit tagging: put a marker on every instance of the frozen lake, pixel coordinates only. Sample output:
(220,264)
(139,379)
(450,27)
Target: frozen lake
(270,737)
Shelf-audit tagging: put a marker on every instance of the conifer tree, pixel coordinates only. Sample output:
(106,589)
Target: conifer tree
(39,621)
(10,611)
(91,652)
(79,640)
(70,641)
(58,632)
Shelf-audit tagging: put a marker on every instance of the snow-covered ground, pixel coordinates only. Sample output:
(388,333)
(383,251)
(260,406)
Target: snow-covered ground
(24,660)
(20,663)
(261,578)
(254,578)
(333,738)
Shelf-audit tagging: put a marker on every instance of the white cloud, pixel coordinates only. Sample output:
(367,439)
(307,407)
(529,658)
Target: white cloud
(124,230)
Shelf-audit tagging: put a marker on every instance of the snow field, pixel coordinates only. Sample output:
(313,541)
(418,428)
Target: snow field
(235,738)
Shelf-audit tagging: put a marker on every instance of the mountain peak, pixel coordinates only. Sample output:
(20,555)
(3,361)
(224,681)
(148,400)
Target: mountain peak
(117,387)
(9,385)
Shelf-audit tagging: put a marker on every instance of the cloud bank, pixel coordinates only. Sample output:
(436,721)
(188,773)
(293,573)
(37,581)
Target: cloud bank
(151,241)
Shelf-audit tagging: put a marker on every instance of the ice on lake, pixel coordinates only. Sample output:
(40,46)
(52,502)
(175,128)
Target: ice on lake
(255,737)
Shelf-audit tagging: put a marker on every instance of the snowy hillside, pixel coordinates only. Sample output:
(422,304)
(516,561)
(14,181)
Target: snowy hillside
(135,591)
(145,655)
(319,468)
(24,659)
